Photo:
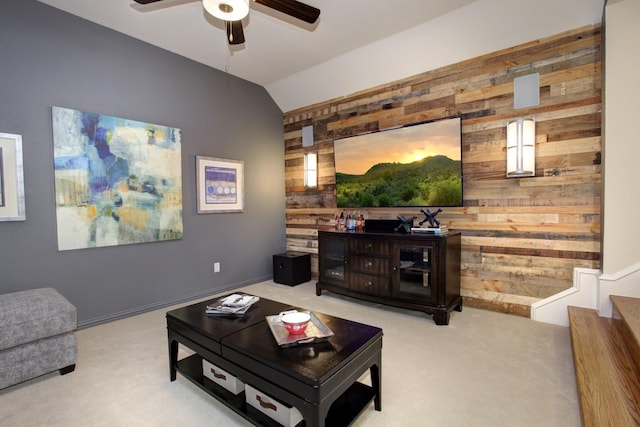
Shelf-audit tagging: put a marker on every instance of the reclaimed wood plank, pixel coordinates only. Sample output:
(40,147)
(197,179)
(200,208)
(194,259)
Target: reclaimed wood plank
(506,223)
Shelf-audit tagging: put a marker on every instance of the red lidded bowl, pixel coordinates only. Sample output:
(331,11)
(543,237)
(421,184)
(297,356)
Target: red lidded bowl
(295,323)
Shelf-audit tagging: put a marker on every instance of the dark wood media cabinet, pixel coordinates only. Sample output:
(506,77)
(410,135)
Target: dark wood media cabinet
(414,271)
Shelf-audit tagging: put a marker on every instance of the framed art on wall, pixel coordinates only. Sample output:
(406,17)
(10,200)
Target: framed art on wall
(117,181)
(11,178)
(220,185)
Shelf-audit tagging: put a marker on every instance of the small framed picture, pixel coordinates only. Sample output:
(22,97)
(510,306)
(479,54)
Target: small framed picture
(220,185)
(11,178)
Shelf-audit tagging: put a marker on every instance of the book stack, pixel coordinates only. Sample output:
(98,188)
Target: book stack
(232,305)
(430,230)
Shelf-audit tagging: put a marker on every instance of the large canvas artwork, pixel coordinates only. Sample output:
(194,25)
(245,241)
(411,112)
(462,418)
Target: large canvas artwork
(117,181)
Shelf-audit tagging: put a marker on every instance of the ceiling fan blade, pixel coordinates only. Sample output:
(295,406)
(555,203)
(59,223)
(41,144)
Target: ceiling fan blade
(294,8)
(235,34)
(146,1)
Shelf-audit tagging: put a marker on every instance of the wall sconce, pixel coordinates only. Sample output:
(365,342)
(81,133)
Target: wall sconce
(521,148)
(311,170)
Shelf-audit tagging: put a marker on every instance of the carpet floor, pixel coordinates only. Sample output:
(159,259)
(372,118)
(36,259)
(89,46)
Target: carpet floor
(483,369)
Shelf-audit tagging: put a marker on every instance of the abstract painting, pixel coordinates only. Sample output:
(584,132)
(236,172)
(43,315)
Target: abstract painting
(117,181)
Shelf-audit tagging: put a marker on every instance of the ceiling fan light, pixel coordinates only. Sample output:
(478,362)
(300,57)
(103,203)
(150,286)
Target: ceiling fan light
(227,10)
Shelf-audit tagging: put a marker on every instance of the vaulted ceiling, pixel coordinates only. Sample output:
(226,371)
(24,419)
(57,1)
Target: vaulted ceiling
(279,50)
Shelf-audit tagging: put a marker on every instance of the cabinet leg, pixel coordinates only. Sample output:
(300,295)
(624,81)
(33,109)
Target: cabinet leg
(441,317)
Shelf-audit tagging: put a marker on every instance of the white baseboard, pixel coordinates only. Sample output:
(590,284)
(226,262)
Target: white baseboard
(584,293)
(624,283)
(591,289)
(166,303)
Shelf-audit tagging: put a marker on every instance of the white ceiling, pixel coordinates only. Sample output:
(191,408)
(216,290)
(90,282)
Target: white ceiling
(276,47)
(356,44)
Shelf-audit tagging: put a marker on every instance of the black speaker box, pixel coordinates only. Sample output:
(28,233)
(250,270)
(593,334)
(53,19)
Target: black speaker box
(291,268)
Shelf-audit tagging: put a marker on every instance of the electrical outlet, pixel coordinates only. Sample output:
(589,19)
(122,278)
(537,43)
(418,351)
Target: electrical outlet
(216,267)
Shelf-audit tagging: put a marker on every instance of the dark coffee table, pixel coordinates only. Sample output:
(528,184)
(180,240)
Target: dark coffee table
(320,380)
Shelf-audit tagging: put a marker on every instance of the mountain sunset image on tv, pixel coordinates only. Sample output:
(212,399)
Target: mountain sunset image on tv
(416,165)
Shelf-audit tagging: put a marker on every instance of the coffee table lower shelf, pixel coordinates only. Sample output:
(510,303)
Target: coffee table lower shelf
(342,412)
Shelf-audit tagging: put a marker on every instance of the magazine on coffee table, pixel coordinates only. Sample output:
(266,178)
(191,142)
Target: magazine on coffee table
(234,305)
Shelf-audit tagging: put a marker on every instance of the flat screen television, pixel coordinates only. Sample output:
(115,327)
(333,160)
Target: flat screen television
(415,165)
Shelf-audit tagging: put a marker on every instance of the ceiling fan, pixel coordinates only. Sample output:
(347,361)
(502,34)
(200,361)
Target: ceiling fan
(233,11)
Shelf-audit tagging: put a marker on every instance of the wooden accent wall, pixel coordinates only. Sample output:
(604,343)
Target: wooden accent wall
(522,237)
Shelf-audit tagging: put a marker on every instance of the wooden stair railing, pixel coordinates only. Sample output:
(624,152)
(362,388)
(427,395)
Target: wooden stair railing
(606,355)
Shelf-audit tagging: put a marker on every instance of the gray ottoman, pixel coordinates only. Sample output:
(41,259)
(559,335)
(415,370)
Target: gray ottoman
(36,335)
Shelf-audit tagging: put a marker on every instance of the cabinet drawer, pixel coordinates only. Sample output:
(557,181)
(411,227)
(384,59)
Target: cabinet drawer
(222,377)
(370,265)
(371,285)
(370,246)
(286,415)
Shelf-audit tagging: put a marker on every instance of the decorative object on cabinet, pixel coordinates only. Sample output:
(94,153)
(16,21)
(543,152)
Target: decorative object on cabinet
(417,271)
(117,181)
(11,178)
(405,224)
(430,217)
(220,185)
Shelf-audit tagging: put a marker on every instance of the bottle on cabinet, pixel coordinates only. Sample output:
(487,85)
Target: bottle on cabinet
(349,221)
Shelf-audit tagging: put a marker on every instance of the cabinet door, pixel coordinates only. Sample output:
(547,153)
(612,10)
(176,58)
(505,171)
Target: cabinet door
(333,260)
(415,275)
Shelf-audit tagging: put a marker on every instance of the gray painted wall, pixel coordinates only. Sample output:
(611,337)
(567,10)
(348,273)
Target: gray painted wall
(51,58)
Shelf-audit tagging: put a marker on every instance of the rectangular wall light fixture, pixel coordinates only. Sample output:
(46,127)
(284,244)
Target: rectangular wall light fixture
(521,148)
(311,170)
